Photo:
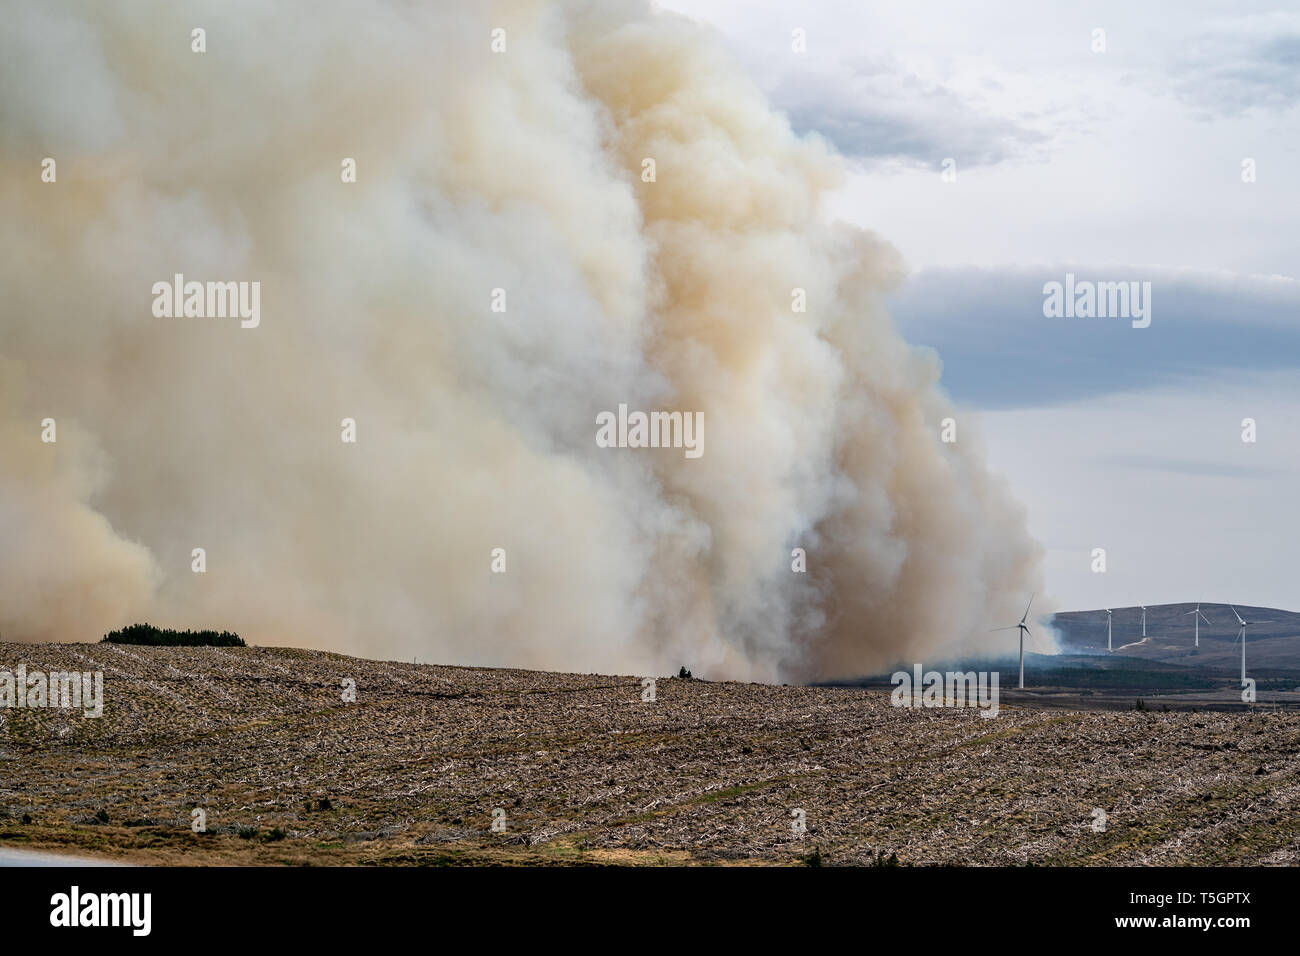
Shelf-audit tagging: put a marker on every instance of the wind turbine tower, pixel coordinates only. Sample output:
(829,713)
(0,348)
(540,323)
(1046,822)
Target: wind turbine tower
(1024,629)
(1199,617)
(1241,636)
(1109,616)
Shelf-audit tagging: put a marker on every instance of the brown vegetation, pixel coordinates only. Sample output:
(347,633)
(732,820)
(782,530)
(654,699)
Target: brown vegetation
(588,772)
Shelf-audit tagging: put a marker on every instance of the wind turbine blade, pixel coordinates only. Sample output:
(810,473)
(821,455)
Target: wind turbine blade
(1040,645)
(1028,606)
(1011,628)
(1261,622)
(1236,615)
(1204,618)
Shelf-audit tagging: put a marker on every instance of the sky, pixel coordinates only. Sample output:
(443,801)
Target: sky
(1127,163)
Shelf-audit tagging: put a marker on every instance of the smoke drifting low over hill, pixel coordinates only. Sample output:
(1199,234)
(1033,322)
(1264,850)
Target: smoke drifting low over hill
(1170,637)
(518,170)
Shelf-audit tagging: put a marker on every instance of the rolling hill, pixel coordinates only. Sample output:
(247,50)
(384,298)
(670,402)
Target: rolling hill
(1270,648)
(586,770)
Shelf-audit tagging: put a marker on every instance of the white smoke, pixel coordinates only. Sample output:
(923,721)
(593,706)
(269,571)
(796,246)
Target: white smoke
(476,170)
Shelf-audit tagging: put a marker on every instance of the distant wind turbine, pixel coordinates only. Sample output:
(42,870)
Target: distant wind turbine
(1024,629)
(1197,621)
(1109,615)
(1144,620)
(1241,636)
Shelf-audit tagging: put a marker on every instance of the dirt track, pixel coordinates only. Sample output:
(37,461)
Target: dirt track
(587,772)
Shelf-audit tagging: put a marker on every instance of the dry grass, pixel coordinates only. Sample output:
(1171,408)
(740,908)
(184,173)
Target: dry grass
(588,774)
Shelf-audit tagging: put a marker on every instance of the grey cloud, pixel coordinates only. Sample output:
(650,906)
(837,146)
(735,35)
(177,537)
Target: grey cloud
(1236,67)
(874,110)
(999,351)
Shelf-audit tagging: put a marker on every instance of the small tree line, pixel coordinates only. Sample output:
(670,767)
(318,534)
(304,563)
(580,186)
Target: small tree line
(167,637)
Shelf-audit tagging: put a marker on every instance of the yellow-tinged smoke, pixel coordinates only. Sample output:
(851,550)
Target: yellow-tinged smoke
(477,170)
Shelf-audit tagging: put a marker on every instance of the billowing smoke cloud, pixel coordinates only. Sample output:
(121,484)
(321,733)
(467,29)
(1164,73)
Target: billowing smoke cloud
(477,170)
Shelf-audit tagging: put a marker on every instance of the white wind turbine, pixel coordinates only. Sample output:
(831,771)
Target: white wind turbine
(1197,621)
(1241,636)
(1024,629)
(1144,620)
(1109,615)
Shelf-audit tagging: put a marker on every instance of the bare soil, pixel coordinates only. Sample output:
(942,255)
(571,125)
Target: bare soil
(587,772)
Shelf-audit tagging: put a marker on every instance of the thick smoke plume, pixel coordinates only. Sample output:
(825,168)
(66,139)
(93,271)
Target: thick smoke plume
(476,170)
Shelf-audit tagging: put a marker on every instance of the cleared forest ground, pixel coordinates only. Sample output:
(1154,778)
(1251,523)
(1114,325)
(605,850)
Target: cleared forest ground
(587,772)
